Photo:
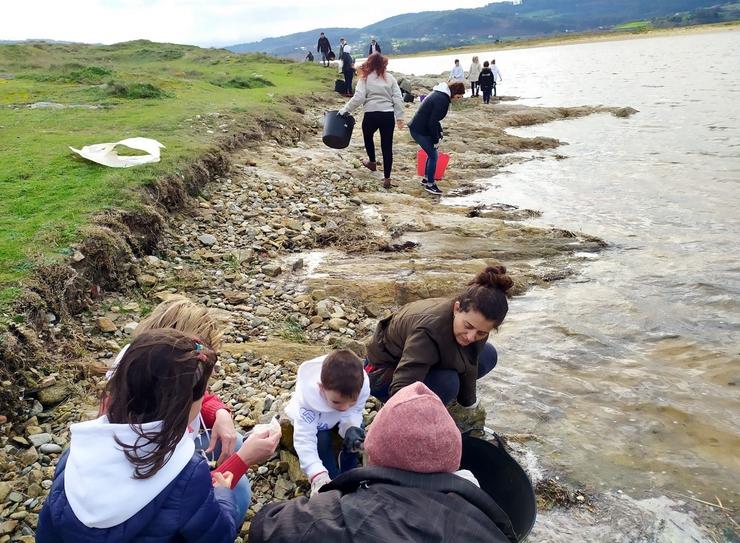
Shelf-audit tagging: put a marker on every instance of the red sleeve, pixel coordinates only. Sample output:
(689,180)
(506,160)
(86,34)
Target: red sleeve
(211,404)
(236,466)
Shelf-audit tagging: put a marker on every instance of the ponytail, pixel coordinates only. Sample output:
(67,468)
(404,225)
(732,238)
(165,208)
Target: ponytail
(487,294)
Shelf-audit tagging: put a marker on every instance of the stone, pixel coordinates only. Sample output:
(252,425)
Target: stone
(8,527)
(236,297)
(106,325)
(337,324)
(323,308)
(283,489)
(295,473)
(263,311)
(207,239)
(29,456)
(297,265)
(15,497)
(50,448)
(4,490)
(147,280)
(34,490)
(54,394)
(77,256)
(39,439)
(272,270)
(130,327)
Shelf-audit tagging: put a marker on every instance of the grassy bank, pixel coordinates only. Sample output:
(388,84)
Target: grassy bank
(185,97)
(637,29)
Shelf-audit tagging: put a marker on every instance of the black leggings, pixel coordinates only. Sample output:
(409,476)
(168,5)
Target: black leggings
(384,121)
(474,88)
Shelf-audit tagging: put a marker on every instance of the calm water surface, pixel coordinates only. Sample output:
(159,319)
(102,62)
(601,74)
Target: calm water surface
(629,372)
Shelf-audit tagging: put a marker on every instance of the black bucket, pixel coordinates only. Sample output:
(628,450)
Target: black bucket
(503,479)
(337,129)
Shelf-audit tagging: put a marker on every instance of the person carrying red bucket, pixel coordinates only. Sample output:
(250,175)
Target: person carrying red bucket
(426,130)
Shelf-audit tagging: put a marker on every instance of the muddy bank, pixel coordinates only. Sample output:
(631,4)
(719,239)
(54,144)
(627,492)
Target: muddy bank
(298,249)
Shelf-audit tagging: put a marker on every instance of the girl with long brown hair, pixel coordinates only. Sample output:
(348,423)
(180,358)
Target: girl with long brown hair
(378,93)
(133,473)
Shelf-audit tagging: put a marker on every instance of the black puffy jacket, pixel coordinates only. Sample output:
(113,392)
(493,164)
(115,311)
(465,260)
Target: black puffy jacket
(432,110)
(372,505)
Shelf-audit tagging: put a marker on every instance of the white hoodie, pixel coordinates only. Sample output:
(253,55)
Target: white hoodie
(311,413)
(98,479)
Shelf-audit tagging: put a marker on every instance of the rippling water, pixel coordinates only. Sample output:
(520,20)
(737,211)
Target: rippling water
(629,372)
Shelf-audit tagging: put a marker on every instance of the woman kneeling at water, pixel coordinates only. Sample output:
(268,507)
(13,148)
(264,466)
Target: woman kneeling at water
(440,341)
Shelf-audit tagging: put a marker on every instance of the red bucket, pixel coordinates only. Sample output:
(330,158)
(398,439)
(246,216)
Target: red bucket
(421,164)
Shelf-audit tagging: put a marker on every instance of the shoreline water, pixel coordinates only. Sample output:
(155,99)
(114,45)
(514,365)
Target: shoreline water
(297,285)
(578,38)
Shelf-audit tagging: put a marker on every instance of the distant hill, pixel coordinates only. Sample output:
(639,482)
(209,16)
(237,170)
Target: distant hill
(434,30)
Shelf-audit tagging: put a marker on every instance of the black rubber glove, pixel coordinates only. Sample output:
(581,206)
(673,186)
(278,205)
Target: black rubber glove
(354,439)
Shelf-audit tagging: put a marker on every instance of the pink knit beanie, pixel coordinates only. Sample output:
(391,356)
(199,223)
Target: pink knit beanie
(414,432)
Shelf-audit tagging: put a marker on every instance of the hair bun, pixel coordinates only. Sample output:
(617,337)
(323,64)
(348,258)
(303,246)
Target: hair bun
(494,277)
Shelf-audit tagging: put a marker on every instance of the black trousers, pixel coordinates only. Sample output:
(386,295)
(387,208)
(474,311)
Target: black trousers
(474,88)
(348,75)
(385,121)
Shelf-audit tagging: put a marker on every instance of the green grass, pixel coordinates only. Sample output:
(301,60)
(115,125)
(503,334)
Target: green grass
(160,91)
(635,26)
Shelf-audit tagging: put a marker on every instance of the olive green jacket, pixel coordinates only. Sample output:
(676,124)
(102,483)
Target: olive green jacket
(416,339)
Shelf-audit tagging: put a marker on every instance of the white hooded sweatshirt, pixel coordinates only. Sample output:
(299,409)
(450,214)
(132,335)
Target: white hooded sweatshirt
(98,479)
(311,413)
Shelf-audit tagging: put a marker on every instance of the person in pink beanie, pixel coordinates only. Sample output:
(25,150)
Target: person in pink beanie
(411,491)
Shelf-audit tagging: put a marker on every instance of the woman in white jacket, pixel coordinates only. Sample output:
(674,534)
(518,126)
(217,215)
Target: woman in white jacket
(378,92)
(473,75)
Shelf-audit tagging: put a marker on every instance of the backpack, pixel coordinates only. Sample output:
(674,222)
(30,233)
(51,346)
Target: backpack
(340,86)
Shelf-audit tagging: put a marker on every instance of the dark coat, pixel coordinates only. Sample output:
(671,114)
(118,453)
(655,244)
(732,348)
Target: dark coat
(416,339)
(323,45)
(384,505)
(370,49)
(486,79)
(188,509)
(432,110)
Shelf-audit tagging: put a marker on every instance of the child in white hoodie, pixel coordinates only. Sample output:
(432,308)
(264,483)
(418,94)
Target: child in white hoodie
(330,390)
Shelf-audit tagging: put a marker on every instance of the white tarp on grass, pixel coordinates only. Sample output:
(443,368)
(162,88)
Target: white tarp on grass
(105,153)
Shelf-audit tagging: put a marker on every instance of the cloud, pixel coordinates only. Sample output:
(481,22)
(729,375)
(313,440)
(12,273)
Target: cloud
(217,22)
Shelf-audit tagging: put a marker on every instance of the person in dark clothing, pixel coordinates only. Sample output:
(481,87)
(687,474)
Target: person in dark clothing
(442,342)
(348,68)
(374,47)
(324,47)
(309,57)
(486,82)
(426,129)
(413,490)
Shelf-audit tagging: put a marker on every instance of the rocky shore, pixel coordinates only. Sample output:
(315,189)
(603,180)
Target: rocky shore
(299,250)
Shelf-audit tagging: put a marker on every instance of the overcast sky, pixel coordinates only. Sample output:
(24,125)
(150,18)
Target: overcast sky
(197,22)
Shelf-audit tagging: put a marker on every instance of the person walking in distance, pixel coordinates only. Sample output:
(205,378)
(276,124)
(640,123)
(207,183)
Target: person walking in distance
(496,75)
(374,47)
(348,68)
(457,73)
(486,82)
(473,74)
(379,94)
(323,46)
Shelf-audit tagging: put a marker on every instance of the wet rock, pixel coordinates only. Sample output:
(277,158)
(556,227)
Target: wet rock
(106,325)
(54,394)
